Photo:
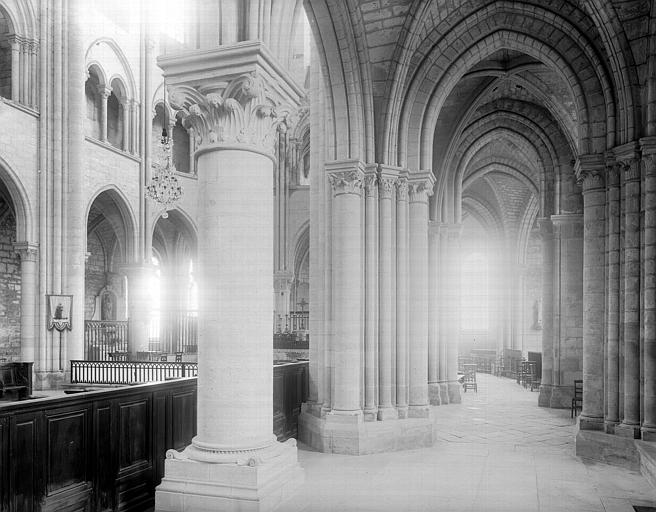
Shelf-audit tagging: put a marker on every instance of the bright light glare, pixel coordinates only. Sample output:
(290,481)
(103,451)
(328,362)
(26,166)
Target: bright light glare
(167,17)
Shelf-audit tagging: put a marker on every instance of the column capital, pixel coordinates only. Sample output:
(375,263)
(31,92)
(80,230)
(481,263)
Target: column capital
(233,96)
(371,180)
(589,170)
(402,188)
(104,91)
(27,251)
(420,186)
(387,180)
(346,177)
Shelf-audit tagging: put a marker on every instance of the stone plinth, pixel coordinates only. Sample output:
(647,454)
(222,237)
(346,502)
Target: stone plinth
(191,485)
(351,435)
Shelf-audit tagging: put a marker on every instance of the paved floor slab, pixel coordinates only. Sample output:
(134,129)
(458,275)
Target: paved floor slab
(497,451)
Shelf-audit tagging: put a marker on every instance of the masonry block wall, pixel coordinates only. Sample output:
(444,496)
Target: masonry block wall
(10,288)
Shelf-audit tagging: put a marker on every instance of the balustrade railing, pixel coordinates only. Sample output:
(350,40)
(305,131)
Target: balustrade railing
(129,372)
(104,337)
(294,322)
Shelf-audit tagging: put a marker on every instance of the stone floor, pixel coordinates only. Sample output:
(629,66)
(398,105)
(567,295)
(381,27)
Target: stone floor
(497,451)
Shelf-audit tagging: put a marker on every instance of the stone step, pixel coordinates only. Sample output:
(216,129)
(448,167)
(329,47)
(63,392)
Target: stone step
(647,451)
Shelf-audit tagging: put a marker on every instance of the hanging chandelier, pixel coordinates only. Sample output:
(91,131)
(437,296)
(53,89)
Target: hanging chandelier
(164,187)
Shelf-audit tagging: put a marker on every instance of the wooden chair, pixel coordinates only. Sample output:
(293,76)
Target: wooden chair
(178,357)
(577,400)
(470,377)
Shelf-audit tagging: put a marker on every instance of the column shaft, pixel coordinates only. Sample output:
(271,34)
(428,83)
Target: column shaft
(347,289)
(649,362)
(386,299)
(443,314)
(433,314)
(15,68)
(402,298)
(371,294)
(28,321)
(104,95)
(631,299)
(420,189)
(546,382)
(453,311)
(613,300)
(594,199)
(235,377)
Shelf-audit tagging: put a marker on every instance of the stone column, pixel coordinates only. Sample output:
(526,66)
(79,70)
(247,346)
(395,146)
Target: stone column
(28,319)
(590,175)
(612,417)
(630,426)
(420,188)
(444,314)
(648,146)
(371,294)
(125,109)
(568,307)
(433,313)
(347,289)
(387,181)
(105,92)
(15,43)
(234,458)
(546,382)
(453,311)
(138,276)
(282,282)
(402,297)
(75,221)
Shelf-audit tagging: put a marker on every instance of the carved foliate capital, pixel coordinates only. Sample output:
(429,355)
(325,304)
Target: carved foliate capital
(650,164)
(240,112)
(402,189)
(613,174)
(386,186)
(630,169)
(591,180)
(347,182)
(27,251)
(420,188)
(371,185)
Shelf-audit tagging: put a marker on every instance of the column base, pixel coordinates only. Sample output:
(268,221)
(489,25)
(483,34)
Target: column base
(609,449)
(259,486)
(648,432)
(402,411)
(387,413)
(561,397)
(609,426)
(629,430)
(419,411)
(351,435)
(434,393)
(544,398)
(444,393)
(454,392)
(591,423)
(370,414)
(50,380)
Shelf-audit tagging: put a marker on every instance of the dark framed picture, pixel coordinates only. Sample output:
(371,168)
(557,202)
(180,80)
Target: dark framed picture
(59,311)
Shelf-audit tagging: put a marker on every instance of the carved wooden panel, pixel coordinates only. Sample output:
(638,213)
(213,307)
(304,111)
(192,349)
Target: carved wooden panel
(104,460)
(67,450)
(25,461)
(134,433)
(183,419)
(4,466)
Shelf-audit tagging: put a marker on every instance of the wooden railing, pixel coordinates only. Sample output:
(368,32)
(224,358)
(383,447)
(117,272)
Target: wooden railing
(103,337)
(129,372)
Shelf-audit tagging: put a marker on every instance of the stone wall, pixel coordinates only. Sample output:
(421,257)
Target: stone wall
(10,290)
(94,275)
